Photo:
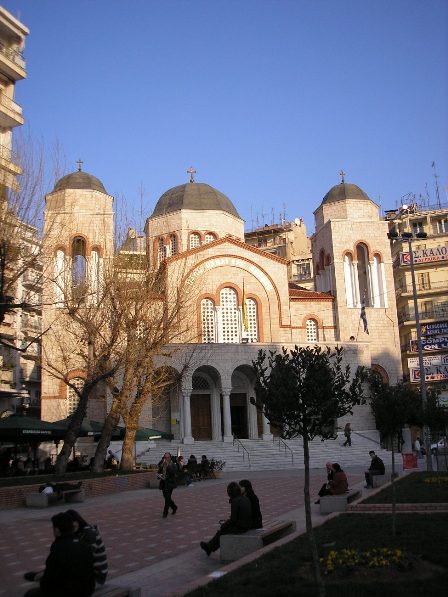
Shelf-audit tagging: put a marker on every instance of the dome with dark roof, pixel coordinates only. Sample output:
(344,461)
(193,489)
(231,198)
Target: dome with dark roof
(193,195)
(344,191)
(79,180)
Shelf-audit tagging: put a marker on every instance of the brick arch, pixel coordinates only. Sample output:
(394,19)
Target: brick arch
(70,375)
(348,252)
(379,255)
(235,287)
(85,238)
(62,248)
(381,372)
(367,244)
(201,237)
(99,249)
(176,236)
(316,318)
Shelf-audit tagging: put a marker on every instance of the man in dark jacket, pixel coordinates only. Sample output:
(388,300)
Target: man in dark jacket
(376,468)
(240,519)
(69,566)
(167,474)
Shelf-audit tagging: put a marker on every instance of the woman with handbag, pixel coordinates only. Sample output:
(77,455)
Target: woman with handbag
(167,475)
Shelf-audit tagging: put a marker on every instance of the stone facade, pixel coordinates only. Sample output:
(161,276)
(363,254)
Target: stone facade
(240,299)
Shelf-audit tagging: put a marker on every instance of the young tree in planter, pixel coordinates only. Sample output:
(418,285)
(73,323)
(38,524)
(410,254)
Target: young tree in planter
(393,407)
(302,392)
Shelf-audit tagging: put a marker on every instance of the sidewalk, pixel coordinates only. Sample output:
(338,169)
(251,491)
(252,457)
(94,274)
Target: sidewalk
(162,556)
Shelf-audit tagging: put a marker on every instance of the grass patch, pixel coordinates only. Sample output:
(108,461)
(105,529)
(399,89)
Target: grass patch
(68,477)
(415,488)
(286,570)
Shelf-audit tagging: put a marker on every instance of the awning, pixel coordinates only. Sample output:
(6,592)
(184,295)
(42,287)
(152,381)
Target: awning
(20,428)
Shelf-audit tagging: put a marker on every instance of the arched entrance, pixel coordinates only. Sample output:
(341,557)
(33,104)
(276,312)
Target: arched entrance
(243,414)
(204,384)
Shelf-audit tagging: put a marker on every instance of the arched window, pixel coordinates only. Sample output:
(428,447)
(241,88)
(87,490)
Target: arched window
(311,331)
(173,244)
(94,275)
(208,320)
(229,315)
(59,274)
(72,396)
(195,240)
(209,237)
(161,253)
(364,281)
(79,267)
(350,290)
(252,320)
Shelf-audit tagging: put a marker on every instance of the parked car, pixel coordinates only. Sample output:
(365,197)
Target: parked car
(442,443)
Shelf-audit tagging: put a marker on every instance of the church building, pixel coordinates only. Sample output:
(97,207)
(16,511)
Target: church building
(241,298)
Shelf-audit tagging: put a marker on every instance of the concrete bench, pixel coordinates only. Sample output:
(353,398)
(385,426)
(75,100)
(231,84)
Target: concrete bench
(233,547)
(379,480)
(338,503)
(115,591)
(74,495)
(41,500)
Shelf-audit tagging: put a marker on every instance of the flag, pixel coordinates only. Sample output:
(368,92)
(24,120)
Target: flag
(245,324)
(364,316)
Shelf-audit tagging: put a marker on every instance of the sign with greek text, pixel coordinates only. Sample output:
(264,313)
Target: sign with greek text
(434,373)
(425,255)
(434,329)
(428,360)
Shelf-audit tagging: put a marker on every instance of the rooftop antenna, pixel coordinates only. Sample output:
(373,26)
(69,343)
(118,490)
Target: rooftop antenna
(251,218)
(284,214)
(273,216)
(262,217)
(436,178)
(428,199)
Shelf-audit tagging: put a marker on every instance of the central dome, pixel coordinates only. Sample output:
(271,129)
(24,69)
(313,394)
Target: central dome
(79,180)
(193,195)
(344,191)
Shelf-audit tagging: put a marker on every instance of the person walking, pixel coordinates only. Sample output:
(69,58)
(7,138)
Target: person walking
(247,490)
(376,468)
(167,475)
(348,435)
(240,519)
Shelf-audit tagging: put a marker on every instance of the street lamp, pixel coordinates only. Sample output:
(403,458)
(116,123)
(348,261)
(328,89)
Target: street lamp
(409,237)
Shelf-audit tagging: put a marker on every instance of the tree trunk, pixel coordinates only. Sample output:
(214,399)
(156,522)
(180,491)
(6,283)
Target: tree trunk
(110,423)
(309,524)
(128,451)
(73,430)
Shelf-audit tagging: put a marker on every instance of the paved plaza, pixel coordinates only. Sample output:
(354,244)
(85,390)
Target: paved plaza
(161,556)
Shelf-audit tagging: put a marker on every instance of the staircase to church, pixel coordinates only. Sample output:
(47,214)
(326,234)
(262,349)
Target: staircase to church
(275,455)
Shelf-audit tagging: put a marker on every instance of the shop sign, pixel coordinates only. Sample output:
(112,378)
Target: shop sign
(428,360)
(439,343)
(434,373)
(435,329)
(425,255)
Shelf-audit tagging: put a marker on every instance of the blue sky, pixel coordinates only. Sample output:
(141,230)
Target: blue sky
(267,99)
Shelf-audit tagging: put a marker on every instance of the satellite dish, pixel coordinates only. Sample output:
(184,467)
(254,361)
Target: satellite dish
(404,206)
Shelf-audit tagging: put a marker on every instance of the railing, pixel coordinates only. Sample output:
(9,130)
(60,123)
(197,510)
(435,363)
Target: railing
(422,287)
(283,444)
(14,55)
(239,443)
(437,310)
(10,104)
(8,154)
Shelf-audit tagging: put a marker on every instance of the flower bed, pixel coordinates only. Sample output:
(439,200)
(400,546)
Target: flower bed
(350,560)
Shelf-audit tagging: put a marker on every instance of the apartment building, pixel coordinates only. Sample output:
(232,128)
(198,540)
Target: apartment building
(19,372)
(289,241)
(428,231)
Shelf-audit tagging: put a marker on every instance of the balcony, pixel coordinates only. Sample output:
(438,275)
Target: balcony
(426,287)
(436,311)
(10,112)
(12,62)
(9,161)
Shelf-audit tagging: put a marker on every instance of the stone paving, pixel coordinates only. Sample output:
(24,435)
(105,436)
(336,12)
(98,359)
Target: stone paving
(142,547)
